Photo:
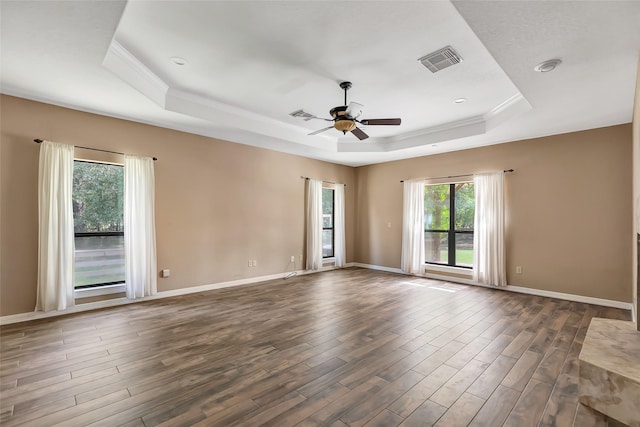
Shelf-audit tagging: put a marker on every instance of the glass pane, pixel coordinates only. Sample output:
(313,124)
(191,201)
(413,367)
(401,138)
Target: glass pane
(464,249)
(436,207)
(465,206)
(98,191)
(99,259)
(327,243)
(436,247)
(327,208)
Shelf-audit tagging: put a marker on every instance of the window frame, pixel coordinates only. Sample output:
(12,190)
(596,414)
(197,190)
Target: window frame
(333,225)
(451,231)
(105,288)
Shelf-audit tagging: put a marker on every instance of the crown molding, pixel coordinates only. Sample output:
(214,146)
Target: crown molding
(128,68)
(240,123)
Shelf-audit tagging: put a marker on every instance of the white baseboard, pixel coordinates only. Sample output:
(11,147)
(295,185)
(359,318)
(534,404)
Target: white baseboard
(24,317)
(518,289)
(540,292)
(378,267)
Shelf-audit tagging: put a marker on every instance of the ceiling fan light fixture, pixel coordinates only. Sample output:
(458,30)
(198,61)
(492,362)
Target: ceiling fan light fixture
(345,125)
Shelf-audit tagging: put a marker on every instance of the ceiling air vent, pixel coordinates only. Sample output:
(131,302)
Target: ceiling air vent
(440,59)
(302,114)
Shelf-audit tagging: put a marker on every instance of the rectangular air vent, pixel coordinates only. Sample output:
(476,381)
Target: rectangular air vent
(302,114)
(440,59)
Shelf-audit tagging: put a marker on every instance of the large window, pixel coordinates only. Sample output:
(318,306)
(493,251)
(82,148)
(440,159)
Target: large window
(98,223)
(448,224)
(328,235)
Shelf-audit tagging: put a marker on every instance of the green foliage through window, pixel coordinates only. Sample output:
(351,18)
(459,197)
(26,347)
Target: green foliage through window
(448,224)
(98,193)
(327,222)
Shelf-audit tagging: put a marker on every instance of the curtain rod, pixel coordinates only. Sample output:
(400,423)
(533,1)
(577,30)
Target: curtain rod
(452,176)
(328,182)
(39,141)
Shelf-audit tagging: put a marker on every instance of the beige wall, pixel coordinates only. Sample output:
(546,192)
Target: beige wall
(636,197)
(568,209)
(218,204)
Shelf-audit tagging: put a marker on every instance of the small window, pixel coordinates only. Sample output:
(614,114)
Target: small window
(98,216)
(448,224)
(327,222)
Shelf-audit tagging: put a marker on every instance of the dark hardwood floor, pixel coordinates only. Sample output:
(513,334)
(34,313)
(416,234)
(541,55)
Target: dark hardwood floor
(346,347)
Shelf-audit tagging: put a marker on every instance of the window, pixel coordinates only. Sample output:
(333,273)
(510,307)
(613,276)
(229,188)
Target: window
(328,235)
(448,224)
(98,194)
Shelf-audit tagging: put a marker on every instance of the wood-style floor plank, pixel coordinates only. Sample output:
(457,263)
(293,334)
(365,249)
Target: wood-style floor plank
(348,347)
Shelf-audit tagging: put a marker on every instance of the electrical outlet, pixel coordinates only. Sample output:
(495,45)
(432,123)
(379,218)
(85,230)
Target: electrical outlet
(249,262)
(255,263)
(293,258)
(166,273)
(518,270)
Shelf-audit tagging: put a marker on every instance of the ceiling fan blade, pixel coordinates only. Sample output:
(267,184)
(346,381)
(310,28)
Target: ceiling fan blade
(380,121)
(320,131)
(359,133)
(319,118)
(354,110)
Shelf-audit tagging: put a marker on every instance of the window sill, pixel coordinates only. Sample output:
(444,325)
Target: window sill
(99,291)
(328,261)
(429,268)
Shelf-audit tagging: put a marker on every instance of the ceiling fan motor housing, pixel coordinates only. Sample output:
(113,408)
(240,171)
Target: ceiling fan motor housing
(342,121)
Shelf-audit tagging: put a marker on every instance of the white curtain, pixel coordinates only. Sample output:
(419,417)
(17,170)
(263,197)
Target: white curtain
(139,227)
(314,224)
(339,229)
(55,227)
(489,264)
(413,227)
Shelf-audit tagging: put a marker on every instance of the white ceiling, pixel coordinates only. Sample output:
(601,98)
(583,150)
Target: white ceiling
(251,63)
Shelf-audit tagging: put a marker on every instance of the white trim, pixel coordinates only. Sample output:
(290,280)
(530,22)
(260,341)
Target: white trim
(131,70)
(540,292)
(448,269)
(457,280)
(510,288)
(24,317)
(99,291)
(378,267)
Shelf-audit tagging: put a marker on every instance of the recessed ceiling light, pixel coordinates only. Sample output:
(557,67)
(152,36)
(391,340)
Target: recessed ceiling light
(546,66)
(178,61)
(460,100)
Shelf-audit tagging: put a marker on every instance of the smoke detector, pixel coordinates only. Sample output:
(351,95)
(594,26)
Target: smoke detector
(440,59)
(546,66)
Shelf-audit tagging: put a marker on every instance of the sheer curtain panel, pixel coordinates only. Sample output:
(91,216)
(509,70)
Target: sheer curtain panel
(139,227)
(339,229)
(55,227)
(413,227)
(314,224)
(489,265)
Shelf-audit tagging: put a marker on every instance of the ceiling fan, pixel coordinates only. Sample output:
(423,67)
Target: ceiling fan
(345,117)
